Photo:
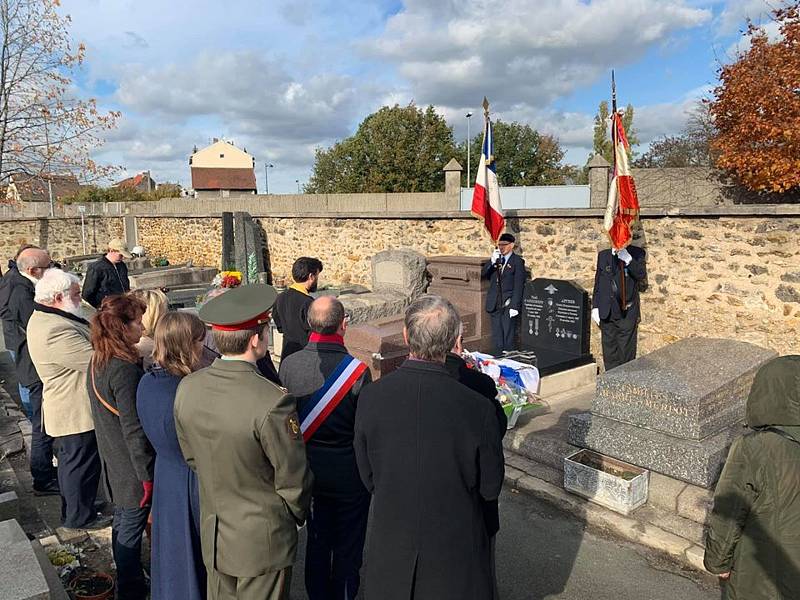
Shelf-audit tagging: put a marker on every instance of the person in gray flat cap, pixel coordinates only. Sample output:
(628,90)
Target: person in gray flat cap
(241,434)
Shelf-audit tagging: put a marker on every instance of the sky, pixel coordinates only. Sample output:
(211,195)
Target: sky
(283,77)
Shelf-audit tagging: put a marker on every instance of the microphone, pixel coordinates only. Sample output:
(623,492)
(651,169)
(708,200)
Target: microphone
(499,262)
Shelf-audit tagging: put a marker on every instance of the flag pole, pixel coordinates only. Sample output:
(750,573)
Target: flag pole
(485,105)
(613,124)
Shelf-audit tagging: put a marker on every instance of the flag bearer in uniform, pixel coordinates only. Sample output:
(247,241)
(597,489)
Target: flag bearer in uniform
(327,382)
(241,434)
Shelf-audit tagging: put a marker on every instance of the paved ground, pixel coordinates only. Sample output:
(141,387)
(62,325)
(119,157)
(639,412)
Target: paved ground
(543,553)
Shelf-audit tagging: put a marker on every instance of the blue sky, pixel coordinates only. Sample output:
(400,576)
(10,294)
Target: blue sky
(284,77)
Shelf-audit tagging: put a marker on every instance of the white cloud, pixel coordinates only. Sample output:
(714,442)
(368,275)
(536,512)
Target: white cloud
(521,51)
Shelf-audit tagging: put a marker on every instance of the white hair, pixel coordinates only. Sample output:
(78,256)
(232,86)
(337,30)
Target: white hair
(52,283)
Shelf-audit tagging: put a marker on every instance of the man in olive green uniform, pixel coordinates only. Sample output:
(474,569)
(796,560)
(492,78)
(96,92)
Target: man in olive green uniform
(240,433)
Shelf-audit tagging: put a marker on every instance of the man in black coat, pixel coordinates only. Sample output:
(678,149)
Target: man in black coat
(485,386)
(291,307)
(506,274)
(10,329)
(429,450)
(319,375)
(107,276)
(615,302)
(31,265)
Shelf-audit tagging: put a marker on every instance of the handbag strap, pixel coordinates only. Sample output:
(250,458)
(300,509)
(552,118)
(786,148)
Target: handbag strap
(110,408)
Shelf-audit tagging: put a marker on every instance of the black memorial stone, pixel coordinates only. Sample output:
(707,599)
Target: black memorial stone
(228,257)
(555,324)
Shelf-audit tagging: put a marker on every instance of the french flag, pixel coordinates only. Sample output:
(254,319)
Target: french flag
(622,208)
(486,195)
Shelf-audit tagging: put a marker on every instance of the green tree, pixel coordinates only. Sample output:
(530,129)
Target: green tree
(524,156)
(602,131)
(692,148)
(396,149)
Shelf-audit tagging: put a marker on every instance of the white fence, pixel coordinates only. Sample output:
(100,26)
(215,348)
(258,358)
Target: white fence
(540,196)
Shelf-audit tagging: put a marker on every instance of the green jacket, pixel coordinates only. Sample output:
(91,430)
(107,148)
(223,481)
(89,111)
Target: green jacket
(241,435)
(754,527)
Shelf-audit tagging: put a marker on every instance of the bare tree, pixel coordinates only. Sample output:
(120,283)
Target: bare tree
(44,127)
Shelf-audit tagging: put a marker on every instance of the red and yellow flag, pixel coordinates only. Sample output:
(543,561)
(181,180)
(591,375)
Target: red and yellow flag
(622,208)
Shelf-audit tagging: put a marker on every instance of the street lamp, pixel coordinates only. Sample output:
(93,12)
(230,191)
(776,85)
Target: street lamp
(469,140)
(297,181)
(267,167)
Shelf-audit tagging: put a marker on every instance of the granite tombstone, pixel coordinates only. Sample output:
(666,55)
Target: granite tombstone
(555,324)
(674,411)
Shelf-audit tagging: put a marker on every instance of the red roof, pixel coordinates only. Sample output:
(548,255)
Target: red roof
(204,178)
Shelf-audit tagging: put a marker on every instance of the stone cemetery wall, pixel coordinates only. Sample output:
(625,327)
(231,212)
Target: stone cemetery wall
(735,276)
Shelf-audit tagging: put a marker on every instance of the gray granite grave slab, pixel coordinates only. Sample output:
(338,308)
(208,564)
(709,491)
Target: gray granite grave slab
(692,388)
(9,506)
(240,244)
(20,573)
(695,461)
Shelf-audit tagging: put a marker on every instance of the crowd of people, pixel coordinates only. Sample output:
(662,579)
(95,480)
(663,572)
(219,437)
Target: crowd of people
(182,421)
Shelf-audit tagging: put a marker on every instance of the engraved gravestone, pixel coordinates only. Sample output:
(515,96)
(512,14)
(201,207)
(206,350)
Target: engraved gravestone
(555,324)
(228,258)
(675,410)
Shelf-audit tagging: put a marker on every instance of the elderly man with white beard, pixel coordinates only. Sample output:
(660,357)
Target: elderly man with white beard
(58,341)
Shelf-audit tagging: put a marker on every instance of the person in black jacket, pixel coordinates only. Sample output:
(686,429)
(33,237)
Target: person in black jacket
(429,450)
(506,274)
(291,307)
(107,276)
(615,302)
(126,456)
(31,265)
(9,327)
(485,386)
(337,526)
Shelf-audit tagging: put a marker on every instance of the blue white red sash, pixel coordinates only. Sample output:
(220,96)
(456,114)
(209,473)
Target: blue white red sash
(327,398)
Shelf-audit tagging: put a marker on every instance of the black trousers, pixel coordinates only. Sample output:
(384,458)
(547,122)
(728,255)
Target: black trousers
(78,477)
(42,469)
(504,330)
(619,338)
(337,528)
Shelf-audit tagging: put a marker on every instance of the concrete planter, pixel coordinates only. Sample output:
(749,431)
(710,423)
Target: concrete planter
(606,481)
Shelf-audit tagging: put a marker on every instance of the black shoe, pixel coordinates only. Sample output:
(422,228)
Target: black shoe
(99,522)
(49,489)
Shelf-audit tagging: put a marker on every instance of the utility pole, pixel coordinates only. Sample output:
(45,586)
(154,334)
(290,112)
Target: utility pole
(48,166)
(267,167)
(469,140)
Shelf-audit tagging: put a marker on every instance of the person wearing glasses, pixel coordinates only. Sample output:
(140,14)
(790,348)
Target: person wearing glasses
(506,274)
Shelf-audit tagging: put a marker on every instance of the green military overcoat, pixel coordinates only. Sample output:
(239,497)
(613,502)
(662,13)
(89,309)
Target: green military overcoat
(241,435)
(754,528)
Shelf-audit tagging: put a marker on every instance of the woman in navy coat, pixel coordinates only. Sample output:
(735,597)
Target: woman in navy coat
(176,560)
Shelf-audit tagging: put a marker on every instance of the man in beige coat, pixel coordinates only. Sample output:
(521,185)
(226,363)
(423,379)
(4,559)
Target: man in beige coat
(58,341)
(241,434)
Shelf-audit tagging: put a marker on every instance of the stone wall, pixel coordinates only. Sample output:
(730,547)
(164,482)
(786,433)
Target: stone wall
(724,275)
(61,236)
(182,239)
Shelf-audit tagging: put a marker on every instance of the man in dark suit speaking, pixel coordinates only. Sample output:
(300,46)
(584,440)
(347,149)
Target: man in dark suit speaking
(615,302)
(506,274)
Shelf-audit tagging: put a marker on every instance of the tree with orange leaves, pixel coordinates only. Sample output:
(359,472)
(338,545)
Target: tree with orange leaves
(756,109)
(44,128)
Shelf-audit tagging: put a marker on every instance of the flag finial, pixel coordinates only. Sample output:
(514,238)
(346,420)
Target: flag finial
(485,106)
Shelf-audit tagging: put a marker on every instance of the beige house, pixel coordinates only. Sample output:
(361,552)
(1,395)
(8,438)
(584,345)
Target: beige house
(221,169)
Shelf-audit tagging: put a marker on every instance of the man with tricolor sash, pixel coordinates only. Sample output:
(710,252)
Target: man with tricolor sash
(327,381)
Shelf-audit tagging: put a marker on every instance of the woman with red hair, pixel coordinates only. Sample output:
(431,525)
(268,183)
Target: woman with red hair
(125,453)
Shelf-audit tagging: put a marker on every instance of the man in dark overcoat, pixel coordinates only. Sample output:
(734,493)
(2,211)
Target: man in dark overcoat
(615,302)
(327,382)
(429,450)
(505,271)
